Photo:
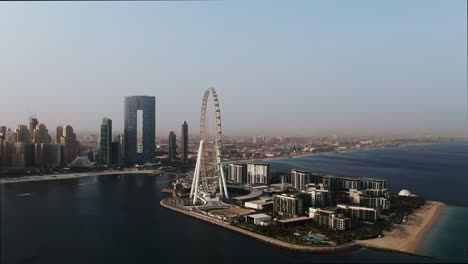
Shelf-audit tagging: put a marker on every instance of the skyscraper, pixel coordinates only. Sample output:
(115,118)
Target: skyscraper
(41,134)
(71,147)
(59,134)
(105,155)
(172,146)
(132,105)
(33,122)
(184,144)
(116,153)
(22,134)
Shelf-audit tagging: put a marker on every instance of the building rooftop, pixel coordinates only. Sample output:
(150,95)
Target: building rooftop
(346,206)
(256,216)
(289,220)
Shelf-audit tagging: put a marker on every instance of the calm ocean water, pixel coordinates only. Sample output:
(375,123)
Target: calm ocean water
(114,219)
(436,171)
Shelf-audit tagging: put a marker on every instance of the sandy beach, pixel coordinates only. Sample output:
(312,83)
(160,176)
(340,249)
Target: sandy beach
(408,237)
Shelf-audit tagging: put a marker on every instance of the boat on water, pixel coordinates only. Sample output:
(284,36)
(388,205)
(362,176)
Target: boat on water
(24,194)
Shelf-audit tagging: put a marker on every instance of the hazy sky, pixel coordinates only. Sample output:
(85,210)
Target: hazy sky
(280,67)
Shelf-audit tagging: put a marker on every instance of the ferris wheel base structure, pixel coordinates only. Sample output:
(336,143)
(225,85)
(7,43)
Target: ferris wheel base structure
(205,171)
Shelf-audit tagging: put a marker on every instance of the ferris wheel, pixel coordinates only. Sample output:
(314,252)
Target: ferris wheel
(209,166)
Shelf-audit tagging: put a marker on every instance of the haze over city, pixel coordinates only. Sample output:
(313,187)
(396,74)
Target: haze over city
(305,69)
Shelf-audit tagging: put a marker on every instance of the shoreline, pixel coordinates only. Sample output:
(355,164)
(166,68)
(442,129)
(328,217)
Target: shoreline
(269,240)
(408,238)
(72,176)
(349,247)
(352,246)
(327,152)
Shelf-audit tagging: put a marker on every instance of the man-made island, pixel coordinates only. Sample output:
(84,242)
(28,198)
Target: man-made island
(310,211)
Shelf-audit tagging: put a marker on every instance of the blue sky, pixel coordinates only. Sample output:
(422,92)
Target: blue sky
(280,67)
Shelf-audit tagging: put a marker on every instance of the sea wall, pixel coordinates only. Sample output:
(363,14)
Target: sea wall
(269,240)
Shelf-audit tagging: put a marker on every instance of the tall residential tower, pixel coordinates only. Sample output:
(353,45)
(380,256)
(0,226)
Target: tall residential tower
(172,146)
(132,105)
(105,154)
(184,144)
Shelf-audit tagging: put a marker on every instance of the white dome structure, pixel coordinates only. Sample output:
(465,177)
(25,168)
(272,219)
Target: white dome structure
(404,192)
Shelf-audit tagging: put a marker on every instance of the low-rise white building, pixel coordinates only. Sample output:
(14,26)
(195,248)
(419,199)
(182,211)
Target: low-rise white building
(259,204)
(257,219)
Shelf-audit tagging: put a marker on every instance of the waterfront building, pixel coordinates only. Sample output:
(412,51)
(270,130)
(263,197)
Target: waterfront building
(19,154)
(33,122)
(105,151)
(296,221)
(319,198)
(184,144)
(330,219)
(40,134)
(359,213)
(257,219)
(22,134)
(258,173)
(172,146)
(377,193)
(367,183)
(287,205)
(380,203)
(299,179)
(340,222)
(116,153)
(341,183)
(58,134)
(47,155)
(237,172)
(132,105)
(261,204)
(70,146)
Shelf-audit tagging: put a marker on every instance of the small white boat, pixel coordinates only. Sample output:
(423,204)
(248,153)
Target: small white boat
(24,194)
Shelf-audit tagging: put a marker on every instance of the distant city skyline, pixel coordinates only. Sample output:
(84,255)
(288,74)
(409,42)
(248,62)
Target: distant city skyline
(303,68)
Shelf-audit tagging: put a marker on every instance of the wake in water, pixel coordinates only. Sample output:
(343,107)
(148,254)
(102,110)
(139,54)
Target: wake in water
(23,194)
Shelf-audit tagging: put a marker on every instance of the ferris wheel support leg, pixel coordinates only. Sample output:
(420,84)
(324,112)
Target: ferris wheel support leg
(223,180)
(196,176)
(220,186)
(193,180)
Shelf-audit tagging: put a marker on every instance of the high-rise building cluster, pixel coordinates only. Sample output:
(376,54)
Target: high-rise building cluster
(124,148)
(332,201)
(33,146)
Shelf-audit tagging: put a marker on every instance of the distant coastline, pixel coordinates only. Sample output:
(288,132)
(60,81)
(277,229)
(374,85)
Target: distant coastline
(266,159)
(73,175)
